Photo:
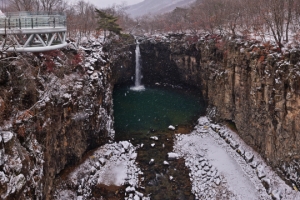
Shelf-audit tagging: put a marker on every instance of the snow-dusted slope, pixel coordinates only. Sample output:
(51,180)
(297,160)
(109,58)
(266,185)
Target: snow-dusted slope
(156,6)
(224,167)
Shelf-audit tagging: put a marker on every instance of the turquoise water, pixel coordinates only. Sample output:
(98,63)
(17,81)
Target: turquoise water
(154,108)
(138,112)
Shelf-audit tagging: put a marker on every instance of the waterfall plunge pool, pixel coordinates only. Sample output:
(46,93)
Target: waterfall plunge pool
(154,108)
(140,115)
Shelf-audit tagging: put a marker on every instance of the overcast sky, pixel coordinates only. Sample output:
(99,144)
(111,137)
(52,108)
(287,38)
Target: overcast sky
(106,3)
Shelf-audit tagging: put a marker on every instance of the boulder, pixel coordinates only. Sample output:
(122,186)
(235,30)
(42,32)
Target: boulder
(151,162)
(260,171)
(173,156)
(6,136)
(248,157)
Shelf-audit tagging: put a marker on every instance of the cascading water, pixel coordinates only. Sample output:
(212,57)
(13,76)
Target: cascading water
(138,74)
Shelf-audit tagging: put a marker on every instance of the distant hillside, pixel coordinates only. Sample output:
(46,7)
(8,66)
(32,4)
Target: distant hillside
(156,6)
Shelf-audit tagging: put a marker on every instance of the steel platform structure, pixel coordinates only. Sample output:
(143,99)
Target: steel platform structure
(32,32)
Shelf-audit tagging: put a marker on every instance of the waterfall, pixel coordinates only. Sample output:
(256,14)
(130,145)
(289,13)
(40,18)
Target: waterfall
(138,74)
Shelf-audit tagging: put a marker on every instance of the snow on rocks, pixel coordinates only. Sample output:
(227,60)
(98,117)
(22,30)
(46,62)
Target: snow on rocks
(3,178)
(6,136)
(171,127)
(223,166)
(154,138)
(13,165)
(102,161)
(172,156)
(16,183)
(166,163)
(276,195)
(130,189)
(133,156)
(151,162)
(94,76)
(249,157)
(261,171)
(267,184)
(254,164)
(125,145)
(117,167)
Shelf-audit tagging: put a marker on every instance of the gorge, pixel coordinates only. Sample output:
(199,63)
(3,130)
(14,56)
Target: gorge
(244,82)
(63,112)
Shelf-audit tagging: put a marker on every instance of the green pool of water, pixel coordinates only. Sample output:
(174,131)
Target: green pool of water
(138,112)
(154,108)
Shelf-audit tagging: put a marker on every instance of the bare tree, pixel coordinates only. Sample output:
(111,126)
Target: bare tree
(50,5)
(289,16)
(272,12)
(22,5)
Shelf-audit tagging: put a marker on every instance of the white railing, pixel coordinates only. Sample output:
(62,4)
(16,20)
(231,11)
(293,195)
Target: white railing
(32,20)
(32,31)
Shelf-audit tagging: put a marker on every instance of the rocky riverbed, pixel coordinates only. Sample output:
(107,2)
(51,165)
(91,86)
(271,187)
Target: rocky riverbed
(221,166)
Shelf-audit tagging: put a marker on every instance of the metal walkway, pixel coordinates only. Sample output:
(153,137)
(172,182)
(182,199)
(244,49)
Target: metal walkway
(32,32)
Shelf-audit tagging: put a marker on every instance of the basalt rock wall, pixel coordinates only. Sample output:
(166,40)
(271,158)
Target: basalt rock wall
(245,82)
(54,107)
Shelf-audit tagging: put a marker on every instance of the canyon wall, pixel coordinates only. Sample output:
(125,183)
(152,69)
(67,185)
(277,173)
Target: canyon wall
(243,81)
(54,107)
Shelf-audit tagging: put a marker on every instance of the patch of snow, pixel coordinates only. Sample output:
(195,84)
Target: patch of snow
(173,156)
(166,163)
(130,189)
(118,168)
(171,127)
(6,136)
(213,160)
(151,162)
(154,138)
(125,144)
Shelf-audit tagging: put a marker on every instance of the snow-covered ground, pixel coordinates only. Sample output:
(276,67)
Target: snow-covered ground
(221,166)
(224,167)
(112,165)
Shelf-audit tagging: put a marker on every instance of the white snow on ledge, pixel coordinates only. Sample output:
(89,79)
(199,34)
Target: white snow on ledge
(218,171)
(112,164)
(118,166)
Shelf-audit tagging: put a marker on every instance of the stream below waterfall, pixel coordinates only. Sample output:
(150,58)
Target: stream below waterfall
(140,115)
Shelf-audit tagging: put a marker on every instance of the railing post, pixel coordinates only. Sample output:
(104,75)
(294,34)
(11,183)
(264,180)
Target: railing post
(54,22)
(31,22)
(8,23)
(20,23)
(5,27)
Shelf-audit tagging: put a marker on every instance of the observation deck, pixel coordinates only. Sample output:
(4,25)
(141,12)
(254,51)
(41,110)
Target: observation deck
(32,32)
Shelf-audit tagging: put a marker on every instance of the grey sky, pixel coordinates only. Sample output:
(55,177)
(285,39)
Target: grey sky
(106,3)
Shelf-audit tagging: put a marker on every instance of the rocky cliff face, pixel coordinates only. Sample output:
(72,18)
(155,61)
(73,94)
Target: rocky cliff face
(245,82)
(54,107)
